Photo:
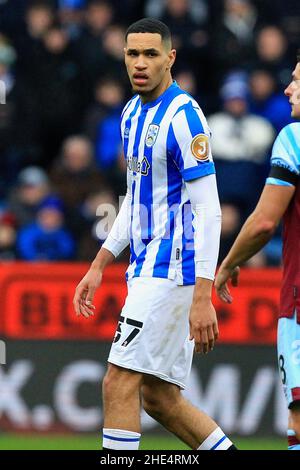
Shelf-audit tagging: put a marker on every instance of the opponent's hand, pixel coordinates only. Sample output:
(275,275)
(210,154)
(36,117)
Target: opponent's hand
(203,325)
(85,291)
(224,274)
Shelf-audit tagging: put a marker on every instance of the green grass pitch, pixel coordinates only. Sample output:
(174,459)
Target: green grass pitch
(148,442)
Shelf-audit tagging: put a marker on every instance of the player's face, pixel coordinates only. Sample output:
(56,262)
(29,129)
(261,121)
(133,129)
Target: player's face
(293,92)
(148,60)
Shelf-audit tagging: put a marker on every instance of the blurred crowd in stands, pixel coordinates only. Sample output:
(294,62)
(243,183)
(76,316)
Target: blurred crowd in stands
(62,65)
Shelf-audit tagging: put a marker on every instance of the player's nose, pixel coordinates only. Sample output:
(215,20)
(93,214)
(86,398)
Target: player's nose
(288,91)
(140,64)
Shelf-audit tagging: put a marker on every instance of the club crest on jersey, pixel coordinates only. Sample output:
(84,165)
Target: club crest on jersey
(200,147)
(151,135)
(126,133)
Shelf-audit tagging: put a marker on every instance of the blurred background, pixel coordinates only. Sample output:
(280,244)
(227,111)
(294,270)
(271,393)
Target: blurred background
(62,66)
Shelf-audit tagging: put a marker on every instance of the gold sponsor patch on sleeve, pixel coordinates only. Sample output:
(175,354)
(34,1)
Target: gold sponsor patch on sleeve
(200,147)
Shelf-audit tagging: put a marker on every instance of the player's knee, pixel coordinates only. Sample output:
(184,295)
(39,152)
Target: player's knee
(296,428)
(108,384)
(295,415)
(155,402)
(153,407)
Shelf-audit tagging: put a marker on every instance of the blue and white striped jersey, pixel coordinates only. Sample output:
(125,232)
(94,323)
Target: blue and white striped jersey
(166,142)
(286,154)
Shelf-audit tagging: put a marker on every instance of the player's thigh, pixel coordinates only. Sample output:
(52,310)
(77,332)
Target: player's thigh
(288,345)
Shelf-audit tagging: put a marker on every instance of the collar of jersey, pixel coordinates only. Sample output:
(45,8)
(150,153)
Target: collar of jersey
(169,90)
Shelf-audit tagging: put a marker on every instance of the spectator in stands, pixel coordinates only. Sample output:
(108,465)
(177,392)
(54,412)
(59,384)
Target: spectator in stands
(102,125)
(70,13)
(189,38)
(231,225)
(113,50)
(31,188)
(198,9)
(186,79)
(98,16)
(96,212)
(108,99)
(232,41)
(39,17)
(108,141)
(52,70)
(240,145)
(46,239)
(59,92)
(272,54)
(267,101)
(12,16)
(8,235)
(289,14)
(74,176)
(10,158)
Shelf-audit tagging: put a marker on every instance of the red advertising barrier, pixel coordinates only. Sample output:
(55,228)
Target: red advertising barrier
(36,303)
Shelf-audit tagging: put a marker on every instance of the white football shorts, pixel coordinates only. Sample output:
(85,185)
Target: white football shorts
(152,336)
(288,345)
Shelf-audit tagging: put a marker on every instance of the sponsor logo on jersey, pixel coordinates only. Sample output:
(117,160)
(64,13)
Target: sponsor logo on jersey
(200,147)
(151,136)
(141,167)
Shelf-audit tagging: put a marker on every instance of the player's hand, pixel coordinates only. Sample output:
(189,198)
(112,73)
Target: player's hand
(203,325)
(85,291)
(224,274)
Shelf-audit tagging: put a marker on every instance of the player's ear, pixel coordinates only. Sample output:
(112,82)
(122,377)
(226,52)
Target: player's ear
(172,57)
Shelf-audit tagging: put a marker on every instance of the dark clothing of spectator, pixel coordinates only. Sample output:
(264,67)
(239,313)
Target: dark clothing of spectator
(90,56)
(276,109)
(36,244)
(59,100)
(73,188)
(108,140)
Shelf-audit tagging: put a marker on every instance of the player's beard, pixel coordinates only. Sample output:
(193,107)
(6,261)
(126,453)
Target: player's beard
(138,91)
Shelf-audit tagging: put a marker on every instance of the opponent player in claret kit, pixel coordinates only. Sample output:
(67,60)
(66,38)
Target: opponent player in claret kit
(168,310)
(280,198)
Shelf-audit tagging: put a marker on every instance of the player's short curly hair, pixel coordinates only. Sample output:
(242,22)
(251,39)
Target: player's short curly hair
(298,55)
(150,25)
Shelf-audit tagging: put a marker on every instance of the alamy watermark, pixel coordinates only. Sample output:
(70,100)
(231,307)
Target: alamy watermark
(2,352)
(154,221)
(2,92)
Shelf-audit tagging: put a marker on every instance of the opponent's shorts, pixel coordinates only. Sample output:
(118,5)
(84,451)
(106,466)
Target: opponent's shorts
(288,345)
(152,336)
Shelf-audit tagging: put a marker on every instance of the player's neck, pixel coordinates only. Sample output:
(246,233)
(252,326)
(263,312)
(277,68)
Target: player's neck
(158,91)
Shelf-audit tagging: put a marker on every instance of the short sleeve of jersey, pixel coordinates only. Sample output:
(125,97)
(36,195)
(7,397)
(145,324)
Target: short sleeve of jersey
(188,142)
(285,159)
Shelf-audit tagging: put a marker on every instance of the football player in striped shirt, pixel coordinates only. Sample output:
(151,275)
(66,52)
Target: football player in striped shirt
(280,198)
(168,311)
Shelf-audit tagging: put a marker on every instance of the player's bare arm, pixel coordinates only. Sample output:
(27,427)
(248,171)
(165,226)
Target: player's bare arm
(85,291)
(203,319)
(255,233)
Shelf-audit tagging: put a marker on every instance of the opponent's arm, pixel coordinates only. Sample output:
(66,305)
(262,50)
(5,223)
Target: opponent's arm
(204,198)
(115,243)
(255,233)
